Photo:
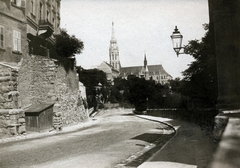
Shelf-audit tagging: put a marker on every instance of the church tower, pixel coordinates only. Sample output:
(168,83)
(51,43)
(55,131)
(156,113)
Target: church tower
(145,71)
(113,51)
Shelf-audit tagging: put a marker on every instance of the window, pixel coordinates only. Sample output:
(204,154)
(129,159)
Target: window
(53,21)
(1,36)
(48,16)
(40,11)
(17,2)
(16,40)
(32,7)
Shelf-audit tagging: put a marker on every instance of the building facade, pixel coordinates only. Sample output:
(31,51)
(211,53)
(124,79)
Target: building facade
(149,72)
(13,27)
(110,71)
(43,18)
(113,69)
(21,21)
(29,76)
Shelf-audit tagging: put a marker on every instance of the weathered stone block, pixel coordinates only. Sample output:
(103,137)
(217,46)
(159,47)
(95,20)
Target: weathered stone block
(2,100)
(22,129)
(5,89)
(21,120)
(5,78)
(8,105)
(13,131)
(15,111)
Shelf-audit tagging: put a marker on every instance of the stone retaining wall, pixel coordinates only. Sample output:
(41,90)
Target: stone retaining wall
(8,86)
(39,80)
(12,121)
(46,80)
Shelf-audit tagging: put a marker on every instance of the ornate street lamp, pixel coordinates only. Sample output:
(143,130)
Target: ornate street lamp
(177,41)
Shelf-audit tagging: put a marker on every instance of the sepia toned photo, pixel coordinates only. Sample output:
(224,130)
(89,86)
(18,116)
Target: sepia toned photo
(119,83)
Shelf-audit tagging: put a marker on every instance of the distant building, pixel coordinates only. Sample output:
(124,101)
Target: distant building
(114,52)
(110,71)
(153,72)
(113,69)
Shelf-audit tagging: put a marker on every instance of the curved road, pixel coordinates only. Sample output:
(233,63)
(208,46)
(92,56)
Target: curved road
(118,136)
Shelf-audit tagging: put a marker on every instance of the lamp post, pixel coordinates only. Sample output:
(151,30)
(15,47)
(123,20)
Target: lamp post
(177,41)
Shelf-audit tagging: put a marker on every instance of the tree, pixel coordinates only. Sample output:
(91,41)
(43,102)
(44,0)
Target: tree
(67,45)
(138,93)
(91,78)
(200,79)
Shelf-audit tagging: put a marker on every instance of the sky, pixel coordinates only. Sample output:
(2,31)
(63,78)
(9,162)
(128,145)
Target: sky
(141,26)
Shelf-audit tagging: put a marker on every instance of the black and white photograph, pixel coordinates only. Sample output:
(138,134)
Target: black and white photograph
(119,83)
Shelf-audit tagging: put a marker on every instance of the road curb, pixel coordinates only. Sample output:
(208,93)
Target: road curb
(34,135)
(151,119)
(148,147)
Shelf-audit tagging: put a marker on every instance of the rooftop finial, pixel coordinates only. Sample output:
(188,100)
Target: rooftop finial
(113,39)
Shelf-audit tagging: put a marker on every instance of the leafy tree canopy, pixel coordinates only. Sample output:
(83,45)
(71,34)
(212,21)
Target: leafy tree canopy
(200,79)
(92,77)
(68,45)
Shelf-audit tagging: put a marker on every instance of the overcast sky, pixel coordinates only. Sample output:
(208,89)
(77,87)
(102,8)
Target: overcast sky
(140,26)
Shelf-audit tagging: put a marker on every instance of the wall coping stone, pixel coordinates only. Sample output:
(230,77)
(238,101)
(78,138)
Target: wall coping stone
(10,66)
(10,111)
(4,111)
(228,152)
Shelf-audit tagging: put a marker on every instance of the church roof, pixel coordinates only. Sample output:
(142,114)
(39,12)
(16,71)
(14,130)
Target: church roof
(112,68)
(135,70)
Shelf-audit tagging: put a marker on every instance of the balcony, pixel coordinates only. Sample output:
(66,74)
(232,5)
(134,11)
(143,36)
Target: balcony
(45,29)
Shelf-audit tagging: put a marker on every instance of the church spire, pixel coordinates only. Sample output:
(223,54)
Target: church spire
(113,51)
(145,61)
(113,39)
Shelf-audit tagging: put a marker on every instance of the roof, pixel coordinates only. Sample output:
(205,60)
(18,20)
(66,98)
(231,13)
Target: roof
(136,69)
(37,108)
(112,68)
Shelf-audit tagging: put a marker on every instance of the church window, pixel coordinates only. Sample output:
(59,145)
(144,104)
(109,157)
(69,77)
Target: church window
(2,37)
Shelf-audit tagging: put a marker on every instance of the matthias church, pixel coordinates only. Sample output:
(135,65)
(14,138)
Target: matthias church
(114,69)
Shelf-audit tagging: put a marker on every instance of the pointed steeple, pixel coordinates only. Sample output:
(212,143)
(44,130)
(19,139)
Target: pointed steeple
(113,39)
(113,51)
(145,61)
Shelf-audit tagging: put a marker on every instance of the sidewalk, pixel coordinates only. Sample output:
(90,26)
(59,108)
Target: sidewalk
(189,148)
(32,135)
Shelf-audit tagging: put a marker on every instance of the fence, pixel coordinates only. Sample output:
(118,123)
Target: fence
(204,117)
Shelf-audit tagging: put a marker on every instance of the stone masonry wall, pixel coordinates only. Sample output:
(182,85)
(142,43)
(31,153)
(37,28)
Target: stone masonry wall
(68,104)
(44,80)
(12,119)
(36,80)
(8,87)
